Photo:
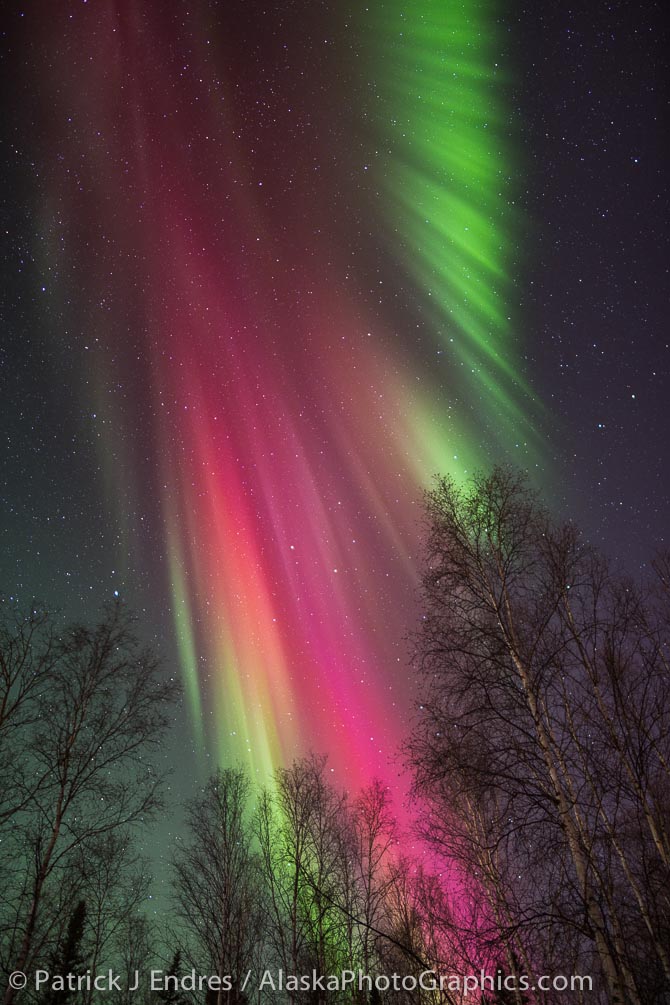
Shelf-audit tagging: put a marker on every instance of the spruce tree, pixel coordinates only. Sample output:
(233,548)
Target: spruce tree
(67,958)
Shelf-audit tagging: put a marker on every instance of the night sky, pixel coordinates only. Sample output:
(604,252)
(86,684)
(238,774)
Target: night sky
(266,270)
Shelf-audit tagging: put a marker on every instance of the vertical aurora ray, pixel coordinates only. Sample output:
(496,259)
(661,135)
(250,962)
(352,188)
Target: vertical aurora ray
(450,192)
(284,426)
(183,630)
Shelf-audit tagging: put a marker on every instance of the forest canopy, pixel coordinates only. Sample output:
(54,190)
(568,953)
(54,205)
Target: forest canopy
(539,754)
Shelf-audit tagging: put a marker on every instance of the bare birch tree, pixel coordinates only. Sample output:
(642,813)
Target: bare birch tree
(217,891)
(299,831)
(86,735)
(543,741)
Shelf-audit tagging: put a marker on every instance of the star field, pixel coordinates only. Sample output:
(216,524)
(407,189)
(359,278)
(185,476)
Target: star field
(265,272)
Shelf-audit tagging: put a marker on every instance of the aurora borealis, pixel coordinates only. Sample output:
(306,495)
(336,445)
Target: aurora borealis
(275,274)
(280,511)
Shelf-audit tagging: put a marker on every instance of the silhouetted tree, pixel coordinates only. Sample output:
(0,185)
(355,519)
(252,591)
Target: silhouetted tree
(84,735)
(218,898)
(170,995)
(30,649)
(115,879)
(542,748)
(375,837)
(69,958)
(299,831)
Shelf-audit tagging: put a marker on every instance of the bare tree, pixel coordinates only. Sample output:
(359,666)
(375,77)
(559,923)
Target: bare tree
(375,836)
(135,945)
(86,739)
(29,652)
(543,741)
(217,889)
(114,879)
(299,830)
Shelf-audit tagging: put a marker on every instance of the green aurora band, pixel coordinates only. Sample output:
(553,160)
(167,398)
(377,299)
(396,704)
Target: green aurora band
(450,188)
